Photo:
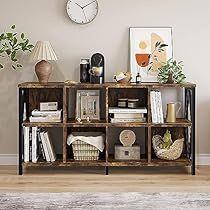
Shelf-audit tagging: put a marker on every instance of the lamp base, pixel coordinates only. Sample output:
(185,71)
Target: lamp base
(43,70)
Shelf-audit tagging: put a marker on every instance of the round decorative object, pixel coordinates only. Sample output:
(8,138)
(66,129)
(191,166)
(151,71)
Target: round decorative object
(82,11)
(127,138)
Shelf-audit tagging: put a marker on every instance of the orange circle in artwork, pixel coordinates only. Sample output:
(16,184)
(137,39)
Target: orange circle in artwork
(142,45)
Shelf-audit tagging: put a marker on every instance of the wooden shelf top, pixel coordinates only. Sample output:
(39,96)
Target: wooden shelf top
(112,162)
(41,85)
(132,124)
(105,85)
(179,162)
(154,162)
(179,123)
(42,124)
(98,123)
(60,162)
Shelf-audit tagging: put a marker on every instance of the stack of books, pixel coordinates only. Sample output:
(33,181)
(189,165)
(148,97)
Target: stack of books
(156,106)
(45,116)
(123,115)
(37,144)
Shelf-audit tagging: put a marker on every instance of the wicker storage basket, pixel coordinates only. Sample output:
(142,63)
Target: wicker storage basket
(173,153)
(84,151)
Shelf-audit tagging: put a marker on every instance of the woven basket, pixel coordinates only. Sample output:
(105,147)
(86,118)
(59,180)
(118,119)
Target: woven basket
(173,153)
(84,151)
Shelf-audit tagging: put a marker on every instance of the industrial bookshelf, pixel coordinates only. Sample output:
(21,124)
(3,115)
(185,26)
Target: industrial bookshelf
(32,93)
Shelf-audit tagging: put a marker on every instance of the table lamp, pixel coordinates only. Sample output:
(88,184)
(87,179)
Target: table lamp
(43,52)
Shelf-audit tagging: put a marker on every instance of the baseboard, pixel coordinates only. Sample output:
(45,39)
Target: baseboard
(203,159)
(8,159)
(12,159)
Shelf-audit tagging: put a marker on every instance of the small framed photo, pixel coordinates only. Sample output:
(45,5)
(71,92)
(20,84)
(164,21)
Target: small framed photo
(88,104)
(150,48)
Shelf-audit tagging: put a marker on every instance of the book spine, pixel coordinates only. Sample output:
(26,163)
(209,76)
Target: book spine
(44,113)
(26,144)
(41,148)
(50,147)
(153,107)
(114,120)
(160,107)
(30,144)
(127,111)
(44,119)
(128,116)
(157,105)
(34,144)
(45,146)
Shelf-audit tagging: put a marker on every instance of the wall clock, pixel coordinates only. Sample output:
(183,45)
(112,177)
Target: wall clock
(82,11)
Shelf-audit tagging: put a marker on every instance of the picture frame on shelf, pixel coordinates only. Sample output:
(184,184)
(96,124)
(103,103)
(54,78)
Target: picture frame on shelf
(87,105)
(150,48)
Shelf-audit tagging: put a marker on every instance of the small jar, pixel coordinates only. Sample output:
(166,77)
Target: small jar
(122,102)
(133,103)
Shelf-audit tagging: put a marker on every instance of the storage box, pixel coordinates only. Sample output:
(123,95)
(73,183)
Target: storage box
(127,153)
(48,106)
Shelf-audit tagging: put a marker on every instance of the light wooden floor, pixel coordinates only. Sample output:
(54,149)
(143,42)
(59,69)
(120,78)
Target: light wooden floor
(119,180)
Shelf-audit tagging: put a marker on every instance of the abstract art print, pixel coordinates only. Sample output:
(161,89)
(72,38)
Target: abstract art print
(150,48)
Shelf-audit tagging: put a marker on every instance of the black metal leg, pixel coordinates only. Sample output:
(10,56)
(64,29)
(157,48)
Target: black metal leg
(106,170)
(186,115)
(193,130)
(21,110)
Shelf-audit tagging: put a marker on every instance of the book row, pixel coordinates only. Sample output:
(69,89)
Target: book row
(37,145)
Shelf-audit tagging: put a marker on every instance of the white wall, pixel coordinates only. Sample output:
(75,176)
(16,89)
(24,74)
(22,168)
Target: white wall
(47,20)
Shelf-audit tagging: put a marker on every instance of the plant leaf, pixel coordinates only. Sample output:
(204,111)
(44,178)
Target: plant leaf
(22,35)
(30,46)
(19,65)
(163,45)
(8,51)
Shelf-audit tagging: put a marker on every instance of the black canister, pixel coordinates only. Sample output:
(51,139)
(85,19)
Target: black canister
(84,70)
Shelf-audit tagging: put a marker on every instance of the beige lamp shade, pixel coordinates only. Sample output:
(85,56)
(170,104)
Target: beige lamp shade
(43,51)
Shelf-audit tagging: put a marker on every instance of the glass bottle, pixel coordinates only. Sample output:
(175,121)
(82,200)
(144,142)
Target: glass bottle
(138,78)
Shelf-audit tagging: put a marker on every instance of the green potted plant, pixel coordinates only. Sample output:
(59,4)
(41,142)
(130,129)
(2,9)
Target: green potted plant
(171,72)
(11,43)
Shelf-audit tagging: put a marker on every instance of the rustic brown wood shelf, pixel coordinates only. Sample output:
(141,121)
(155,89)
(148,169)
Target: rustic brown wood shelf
(101,123)
(142,162)
(68,163)
(128,124)
(178,123)
(178,162)
(39,124)
(32,93)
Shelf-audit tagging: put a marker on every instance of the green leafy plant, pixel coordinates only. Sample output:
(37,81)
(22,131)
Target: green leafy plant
(171,72)
(11,43)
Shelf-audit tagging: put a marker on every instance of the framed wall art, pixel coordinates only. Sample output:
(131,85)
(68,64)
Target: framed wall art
(150,48)
(87,104)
